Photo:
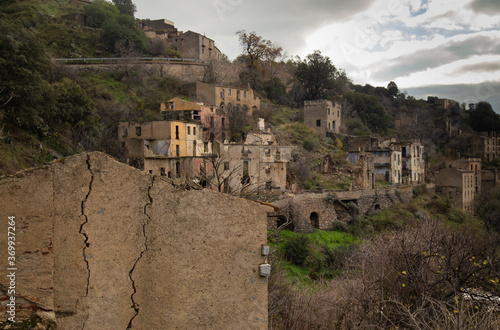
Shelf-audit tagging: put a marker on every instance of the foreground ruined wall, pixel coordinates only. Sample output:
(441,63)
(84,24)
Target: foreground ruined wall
(101,245)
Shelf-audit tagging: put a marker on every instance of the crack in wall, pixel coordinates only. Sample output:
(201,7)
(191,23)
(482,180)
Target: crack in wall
(135,306)
(82,232)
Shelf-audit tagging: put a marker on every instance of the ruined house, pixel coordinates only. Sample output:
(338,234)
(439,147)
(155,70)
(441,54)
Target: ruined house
(396,162)
(323,116)
(102,245)
(458,185)
(485,145)
(364,171)
(214,119)
(227,98)
(169,148)
(257,166)
(159,28)
(191,45)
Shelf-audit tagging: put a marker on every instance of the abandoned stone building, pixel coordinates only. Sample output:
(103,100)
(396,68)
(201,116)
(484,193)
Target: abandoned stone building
(168,148)
(214,119)
(195,46)
(412,161)
(227,98)
(445,104)
(394,162)
(485,145)
(323,116)
(458,185)
(159,28)
(102,245)
(257,166)
(490,179)
(364,172)
(189,44)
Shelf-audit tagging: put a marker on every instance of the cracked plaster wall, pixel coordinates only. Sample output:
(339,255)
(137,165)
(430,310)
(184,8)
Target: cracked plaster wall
(101,245)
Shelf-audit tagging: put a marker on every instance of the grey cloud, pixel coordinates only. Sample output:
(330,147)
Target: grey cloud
(286,23)
(432,58)
(480,67)
(488,7)
(468,93)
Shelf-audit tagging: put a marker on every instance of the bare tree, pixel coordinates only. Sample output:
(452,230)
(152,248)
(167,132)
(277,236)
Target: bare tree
(217,171)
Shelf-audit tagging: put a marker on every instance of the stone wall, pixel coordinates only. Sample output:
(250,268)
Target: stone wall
(187,72)
(321,210)
(101,245)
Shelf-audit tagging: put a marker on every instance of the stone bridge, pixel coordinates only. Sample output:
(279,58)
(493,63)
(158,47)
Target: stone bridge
(321,210)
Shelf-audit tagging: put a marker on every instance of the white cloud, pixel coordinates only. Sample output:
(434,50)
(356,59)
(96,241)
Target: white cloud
(415,42)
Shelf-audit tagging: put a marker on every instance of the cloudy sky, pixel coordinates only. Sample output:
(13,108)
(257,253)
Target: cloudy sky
(446,48)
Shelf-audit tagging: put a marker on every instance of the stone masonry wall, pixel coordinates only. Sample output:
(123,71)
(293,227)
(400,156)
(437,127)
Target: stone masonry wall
(328,210)
(101,245)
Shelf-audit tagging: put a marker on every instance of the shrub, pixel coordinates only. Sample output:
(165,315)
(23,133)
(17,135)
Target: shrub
(339,225)
(297,249)
(311,143)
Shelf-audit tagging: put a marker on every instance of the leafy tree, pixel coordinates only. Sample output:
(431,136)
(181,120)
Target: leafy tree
(24,72)
(123,32)
(483,118)
(369,111)
(276,91)
(261,56)
(240,122)
(126,7)
(253,47)
(392,89)
(319,77)
(99,12)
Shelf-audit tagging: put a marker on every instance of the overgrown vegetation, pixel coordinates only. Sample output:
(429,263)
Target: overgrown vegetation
(421,271)
(309,257)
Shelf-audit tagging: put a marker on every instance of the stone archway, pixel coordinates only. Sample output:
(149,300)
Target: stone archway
(314,219)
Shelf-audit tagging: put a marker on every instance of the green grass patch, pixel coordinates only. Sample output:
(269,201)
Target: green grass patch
(313,256)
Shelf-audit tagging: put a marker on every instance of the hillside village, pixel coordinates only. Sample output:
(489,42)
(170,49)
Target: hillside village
(175,114)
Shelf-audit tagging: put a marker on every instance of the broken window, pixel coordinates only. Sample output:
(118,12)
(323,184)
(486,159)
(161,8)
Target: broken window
(278,155)
(138,131)
(194,131)
(245,178)
(268,152)
(318,122)
(177,132)
(162,171)
(189,130)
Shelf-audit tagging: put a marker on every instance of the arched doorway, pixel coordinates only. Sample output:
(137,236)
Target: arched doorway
(314,218)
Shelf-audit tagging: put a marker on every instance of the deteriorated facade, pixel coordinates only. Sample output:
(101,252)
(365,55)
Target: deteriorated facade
(227,98)
(259,166)
(168,148)
(484,145)
(323,116)
(190,45)
(457,185)
(395,162)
